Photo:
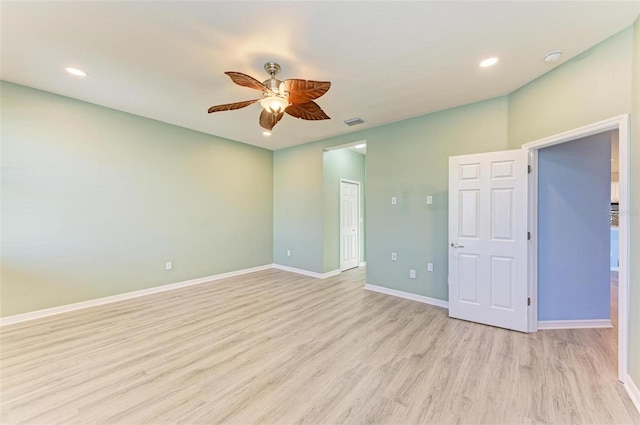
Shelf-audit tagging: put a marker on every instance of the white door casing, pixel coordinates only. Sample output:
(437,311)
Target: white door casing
(349,224)
(488,201)
(622,124)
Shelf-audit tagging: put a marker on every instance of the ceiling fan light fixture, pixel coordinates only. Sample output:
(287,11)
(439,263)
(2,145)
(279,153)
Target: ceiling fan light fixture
(274,104)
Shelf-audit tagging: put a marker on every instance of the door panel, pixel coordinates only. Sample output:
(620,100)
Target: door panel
(488,238)
(349,225)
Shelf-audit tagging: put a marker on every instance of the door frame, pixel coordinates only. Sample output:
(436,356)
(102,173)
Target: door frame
(357,183)
(622,124)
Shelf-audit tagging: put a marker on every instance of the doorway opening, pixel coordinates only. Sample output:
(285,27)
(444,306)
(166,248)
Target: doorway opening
(621,124)
(344,207)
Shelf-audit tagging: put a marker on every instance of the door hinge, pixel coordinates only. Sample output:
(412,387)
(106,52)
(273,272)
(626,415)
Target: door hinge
(529,169)
(528,301)
(528,236)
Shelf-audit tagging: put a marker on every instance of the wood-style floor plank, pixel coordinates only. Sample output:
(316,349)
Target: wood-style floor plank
(274,347)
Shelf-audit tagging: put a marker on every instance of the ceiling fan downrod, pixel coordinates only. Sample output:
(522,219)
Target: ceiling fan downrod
(273,84)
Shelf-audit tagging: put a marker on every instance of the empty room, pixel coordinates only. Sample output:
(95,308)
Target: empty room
(319,212)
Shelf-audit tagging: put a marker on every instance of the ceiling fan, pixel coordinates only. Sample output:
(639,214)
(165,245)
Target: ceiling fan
(295,97)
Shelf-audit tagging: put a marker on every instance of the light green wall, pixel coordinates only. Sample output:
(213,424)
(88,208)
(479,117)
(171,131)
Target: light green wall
(593,86)
(337,164)
(95,201)
(634,216)
(297,207)
(409,160)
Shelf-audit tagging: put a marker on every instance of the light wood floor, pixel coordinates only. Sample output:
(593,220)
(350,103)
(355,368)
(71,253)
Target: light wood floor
(274,347)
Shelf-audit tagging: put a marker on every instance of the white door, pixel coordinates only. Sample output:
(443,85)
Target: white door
(488,238)
(349,224)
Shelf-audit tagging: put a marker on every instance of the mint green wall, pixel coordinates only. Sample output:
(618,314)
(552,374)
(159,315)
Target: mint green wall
(634,216)
(298,207)
(407,159)
(337,164)
(410,160)
(594,86)
(95,201)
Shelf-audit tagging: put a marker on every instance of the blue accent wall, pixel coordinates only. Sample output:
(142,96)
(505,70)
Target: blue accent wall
(574,230)
(615,253)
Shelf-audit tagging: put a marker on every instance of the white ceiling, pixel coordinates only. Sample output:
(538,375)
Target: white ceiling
(387,61)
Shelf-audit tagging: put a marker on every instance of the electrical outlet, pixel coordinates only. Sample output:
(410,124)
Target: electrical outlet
(412,274)
(429,267)
(168,265)
(394,200)
(394,257)
(429,200)
(288,253)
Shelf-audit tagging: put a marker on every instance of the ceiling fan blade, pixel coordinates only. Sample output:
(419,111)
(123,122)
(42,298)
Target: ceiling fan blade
(307,111)
(268,120)
(301,91)
(245,80)
(232,106)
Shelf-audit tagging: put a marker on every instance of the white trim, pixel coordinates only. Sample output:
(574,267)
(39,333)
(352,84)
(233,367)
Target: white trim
(633,391)
(345,145)
(307,272)
(574,324)
(407,295)
(363,264)
(533,243)
(621,123)
(18,318)
(578,133)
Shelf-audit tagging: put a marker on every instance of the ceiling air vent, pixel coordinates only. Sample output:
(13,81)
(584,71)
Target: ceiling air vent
(353,121)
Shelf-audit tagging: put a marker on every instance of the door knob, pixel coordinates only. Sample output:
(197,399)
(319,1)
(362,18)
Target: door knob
(455,245)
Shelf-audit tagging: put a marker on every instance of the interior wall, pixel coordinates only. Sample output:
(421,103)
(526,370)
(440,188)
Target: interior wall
(573,229)
(96,201)
(407,159)
(591,87)
(337,164)
(298,207)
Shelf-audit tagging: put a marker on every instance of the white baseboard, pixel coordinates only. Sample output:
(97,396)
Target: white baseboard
(407,295)
(307,272)
(126,296)
(363,263)
(633,391)
(574,324)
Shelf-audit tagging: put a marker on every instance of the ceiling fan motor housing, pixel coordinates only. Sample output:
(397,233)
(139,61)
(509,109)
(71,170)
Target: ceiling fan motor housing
(273,84)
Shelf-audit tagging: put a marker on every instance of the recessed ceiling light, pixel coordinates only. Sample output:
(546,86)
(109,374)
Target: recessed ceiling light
(75,71)
(361,146)
(266,133)
(552,57)
(489,62)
